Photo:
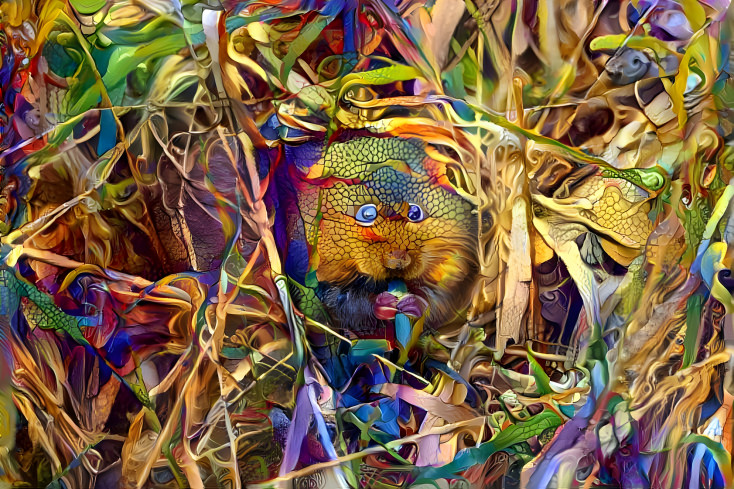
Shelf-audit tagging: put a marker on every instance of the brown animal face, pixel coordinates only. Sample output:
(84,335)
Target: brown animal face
(377,210)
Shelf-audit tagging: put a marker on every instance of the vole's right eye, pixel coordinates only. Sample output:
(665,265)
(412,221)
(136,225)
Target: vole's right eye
(366,214)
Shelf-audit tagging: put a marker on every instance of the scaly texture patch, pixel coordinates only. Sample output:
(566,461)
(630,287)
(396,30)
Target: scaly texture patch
(366,244)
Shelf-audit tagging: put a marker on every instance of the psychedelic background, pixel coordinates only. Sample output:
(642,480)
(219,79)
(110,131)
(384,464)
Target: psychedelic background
(366,244)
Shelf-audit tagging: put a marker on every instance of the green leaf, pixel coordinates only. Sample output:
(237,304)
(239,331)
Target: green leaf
(87,7)
(541,378)
(693,320)
(384,75)
(307,36)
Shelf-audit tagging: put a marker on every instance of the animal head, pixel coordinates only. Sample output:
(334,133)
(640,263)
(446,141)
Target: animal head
(378,209)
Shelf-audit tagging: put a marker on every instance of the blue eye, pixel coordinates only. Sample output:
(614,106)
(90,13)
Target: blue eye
(415,213)
(366,214)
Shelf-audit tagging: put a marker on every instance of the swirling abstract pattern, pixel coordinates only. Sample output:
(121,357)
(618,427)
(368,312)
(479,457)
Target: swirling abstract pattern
(366,244)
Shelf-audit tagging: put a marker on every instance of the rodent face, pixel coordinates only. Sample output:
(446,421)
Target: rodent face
(380,209)
(412,236)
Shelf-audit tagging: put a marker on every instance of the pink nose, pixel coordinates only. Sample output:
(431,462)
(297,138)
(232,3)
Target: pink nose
(397,259)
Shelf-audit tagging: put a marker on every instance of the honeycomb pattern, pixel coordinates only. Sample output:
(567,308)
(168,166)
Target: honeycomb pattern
(390,173)
(618,206)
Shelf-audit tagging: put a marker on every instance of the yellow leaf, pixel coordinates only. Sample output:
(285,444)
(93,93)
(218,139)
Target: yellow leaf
(695,13)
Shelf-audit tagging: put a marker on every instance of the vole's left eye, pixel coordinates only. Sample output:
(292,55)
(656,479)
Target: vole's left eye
(415,213)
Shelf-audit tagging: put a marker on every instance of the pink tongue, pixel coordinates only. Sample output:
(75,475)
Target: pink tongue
(412,305)
(387,306)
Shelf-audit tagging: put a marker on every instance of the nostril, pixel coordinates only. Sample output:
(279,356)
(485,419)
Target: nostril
(398,254)
(397,259)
